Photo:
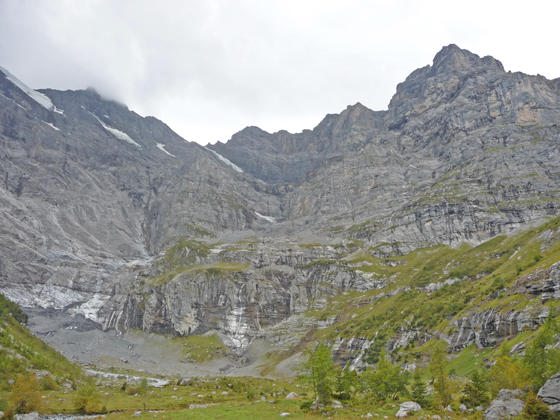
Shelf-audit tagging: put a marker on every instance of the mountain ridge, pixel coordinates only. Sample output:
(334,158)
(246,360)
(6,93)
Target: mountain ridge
(113,217)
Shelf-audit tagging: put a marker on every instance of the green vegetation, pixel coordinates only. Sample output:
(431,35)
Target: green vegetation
(440,378)
(21,351)
(25,396)
(536,409)
(319,370)
(202,348)
(187,256)
(386,381)
(475,392)
(542,359)
(419,392)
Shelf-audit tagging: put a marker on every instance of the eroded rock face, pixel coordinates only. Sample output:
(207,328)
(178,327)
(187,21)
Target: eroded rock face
(238,300)
(92,195)
(488,328)
(550,392)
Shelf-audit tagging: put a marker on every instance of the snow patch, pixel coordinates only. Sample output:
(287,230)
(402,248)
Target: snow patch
(121,135)
(226,161)
(267,218)
(38,97)
(52,126)
(91,308)
(161,147)
(11,100)
(44,296)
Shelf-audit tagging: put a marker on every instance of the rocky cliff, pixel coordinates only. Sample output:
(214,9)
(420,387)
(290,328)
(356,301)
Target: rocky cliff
(113,216)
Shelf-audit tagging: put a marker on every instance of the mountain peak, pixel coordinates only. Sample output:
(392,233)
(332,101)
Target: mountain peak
(453,58)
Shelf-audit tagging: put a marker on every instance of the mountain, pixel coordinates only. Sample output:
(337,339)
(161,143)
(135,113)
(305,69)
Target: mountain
(111,223)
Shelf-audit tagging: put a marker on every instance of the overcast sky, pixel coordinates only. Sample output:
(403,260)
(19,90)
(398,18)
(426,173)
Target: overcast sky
(209,68)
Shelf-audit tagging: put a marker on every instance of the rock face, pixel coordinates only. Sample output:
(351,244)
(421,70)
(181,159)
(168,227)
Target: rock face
(550,392)
(489,327)
(93,198)
(507,405)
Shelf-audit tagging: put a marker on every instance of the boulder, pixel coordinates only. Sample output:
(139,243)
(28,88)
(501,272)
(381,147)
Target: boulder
(407,407)
(28,416)
(550,392)
(336,404)
(291,396)
(506,405)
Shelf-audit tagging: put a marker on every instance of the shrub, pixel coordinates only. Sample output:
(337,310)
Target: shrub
(536,409)
(385,381)
(88,400)
(47,383)
(507,374)
(25,396)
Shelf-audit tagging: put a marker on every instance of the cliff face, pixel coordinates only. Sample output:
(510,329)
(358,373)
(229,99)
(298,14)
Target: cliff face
(94,197)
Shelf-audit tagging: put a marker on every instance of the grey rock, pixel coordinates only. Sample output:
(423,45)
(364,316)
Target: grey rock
(406,408)
(506,405)
(336,404)
(29,416)
(550,392)
(291,396)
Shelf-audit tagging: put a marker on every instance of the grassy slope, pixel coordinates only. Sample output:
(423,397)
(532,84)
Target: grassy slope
(487,274)
(21,351)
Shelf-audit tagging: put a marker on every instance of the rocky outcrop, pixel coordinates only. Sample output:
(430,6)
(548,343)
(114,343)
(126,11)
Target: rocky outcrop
(237,289)
(489,327)
(550,392)
(507,405)
(545,283)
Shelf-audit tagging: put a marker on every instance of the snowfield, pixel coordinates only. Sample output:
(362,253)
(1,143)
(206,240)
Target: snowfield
(38,97)
(161,147)
(226,161)
(121,135)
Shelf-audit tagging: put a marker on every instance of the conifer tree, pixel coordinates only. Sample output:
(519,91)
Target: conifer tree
(419,391)
(438,367)
(475,392)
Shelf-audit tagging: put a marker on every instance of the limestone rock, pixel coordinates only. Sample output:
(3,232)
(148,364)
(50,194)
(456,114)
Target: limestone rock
(29,416)
(406,408)
(550,392)
(507,405)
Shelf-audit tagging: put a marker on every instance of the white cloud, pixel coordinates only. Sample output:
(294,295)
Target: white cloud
(210,68)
